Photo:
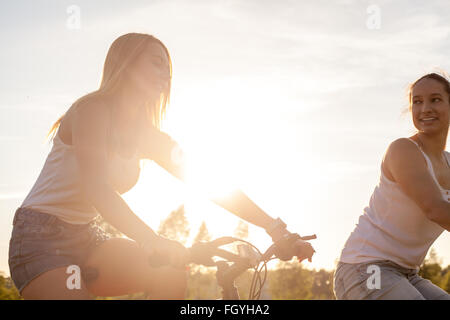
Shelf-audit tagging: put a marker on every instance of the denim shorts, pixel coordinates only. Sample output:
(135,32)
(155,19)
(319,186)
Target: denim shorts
(383,280)
(41,242)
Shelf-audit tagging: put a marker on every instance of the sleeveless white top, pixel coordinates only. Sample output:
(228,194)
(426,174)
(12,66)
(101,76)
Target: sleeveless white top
(393,227)
(57,189)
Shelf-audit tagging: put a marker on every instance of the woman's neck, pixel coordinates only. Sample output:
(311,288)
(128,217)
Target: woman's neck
(433,145)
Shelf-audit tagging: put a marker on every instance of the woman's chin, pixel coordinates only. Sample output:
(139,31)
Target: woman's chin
(432,131)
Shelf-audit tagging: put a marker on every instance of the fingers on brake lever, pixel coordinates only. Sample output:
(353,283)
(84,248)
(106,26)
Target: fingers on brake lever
(312,237)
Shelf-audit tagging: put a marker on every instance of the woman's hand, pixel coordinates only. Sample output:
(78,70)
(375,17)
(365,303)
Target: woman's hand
(291,245)
(164,251)
(304,250)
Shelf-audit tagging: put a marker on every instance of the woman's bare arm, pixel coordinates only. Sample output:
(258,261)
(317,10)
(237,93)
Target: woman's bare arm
(406,164)
(242,206)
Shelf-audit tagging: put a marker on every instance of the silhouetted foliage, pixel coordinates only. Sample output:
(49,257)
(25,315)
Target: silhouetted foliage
(241,230)
(431,269)
(291,281)
(175,226)
(202,284)
(203,233)
(7,289)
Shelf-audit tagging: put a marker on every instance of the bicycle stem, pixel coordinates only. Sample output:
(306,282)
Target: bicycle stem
(226,276)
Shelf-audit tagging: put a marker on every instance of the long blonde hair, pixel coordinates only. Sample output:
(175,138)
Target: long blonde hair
(121,53)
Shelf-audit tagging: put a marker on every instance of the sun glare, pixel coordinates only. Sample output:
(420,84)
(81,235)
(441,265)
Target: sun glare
(232,137)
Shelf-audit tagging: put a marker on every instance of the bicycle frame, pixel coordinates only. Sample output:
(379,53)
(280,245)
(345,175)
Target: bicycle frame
(226,274)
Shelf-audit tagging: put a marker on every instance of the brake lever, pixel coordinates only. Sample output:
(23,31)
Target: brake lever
(311,237)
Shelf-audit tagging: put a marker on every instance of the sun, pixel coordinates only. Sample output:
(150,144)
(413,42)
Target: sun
(229,141)
(213,133)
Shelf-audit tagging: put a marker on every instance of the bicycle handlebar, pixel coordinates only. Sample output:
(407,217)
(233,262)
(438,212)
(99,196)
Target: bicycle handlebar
(203,252)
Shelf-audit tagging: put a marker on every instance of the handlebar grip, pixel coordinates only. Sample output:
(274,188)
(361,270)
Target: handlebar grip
(309,237)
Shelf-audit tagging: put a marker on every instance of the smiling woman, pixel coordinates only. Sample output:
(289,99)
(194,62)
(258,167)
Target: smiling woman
(428,103)
(409,208)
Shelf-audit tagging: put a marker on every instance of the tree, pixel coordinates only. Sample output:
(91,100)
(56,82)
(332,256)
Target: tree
(202,284)
(175,226)
(203,233)
(7,289)
(431,268)
(445,282)
(241,230)
(290,281)
(322,288)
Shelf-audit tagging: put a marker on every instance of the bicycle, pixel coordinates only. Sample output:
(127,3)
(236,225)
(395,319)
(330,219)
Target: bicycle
(228,270)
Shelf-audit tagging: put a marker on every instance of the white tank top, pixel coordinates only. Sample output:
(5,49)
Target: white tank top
(57,189)
(393,227)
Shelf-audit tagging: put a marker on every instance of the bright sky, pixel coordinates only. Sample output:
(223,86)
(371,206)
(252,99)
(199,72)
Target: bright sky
(295,100)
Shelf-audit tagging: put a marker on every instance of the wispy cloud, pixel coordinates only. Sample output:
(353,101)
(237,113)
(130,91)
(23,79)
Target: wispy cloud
(11,138)
(8,196)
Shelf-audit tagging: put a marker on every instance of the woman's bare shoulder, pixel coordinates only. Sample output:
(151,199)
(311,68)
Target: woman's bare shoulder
(402,152)
(89,115)
(88,101)
(402,143)
(403,147)
(94,101)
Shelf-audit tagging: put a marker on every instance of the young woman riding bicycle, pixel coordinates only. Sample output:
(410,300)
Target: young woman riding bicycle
(97,146)
(408,210)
